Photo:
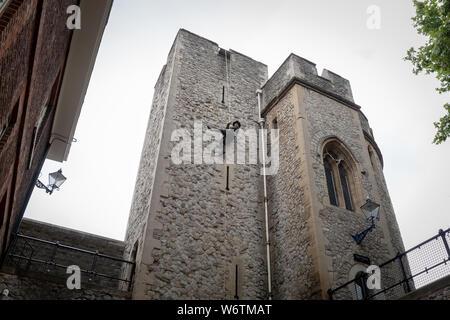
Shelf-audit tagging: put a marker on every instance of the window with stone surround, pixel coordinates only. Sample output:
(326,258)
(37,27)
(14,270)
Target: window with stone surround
(340,169)
(343,175)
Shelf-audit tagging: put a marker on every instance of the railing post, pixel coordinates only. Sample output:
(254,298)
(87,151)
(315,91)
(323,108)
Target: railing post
(52,259)
(92,272)
(405,277)
(30,257)
(330,294)
(132,275)
(442,234)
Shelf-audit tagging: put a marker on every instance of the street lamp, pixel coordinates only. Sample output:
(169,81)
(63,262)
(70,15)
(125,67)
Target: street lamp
(55,180)
(371,211)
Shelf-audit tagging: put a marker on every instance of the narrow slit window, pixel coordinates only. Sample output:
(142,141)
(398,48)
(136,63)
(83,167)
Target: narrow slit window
(228,178)
(223,94)
(236,276)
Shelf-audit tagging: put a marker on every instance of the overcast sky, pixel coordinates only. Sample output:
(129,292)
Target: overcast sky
(400,106)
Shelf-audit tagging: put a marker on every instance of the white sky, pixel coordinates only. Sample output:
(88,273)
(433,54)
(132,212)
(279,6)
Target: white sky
(400,106)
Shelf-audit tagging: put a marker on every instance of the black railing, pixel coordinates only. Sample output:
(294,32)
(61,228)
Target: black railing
(56,255)
(426,262)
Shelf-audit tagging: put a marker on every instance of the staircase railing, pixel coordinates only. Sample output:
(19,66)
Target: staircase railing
(424,263)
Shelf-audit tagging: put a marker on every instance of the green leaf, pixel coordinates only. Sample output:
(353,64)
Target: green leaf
(433,21)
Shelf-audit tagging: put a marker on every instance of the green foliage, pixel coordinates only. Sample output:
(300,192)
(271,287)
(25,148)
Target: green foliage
(432,20)
(443,126)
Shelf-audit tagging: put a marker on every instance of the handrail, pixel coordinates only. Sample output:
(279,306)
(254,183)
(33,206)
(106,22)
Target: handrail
(413,248)
(65,267)
(74,249)
(408,278)
(52,263)
(398,257)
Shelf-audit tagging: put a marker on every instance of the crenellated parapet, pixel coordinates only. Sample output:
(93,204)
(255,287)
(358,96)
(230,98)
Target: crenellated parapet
(296,69)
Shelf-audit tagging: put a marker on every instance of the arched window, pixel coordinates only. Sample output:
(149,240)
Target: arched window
(339,169)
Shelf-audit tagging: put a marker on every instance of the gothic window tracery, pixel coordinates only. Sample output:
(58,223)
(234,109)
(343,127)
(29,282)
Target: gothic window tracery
(345,187)
(338,166)
(330,182)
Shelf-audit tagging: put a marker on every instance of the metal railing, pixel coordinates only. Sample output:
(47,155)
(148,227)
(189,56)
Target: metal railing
(425,263)
(48,253)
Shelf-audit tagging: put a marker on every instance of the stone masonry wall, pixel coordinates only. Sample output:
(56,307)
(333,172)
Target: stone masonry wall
(43,282)
(295,67)
(197,232)
(193,233)
(326,110)
(330,119)
(293,268)
(66,257)
(44,288)
(437,290)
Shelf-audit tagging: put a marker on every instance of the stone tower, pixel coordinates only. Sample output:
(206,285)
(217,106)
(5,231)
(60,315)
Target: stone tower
(197,230)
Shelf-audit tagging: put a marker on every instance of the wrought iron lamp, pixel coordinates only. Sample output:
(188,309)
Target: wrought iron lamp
(371,211)
(55,180)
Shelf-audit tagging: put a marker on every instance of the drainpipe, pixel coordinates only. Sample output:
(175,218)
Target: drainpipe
(266,210)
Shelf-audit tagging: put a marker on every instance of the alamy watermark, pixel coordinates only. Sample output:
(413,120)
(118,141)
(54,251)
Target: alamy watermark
(74,20)
(374,20)
(74,280)
(226,146)
(374,277)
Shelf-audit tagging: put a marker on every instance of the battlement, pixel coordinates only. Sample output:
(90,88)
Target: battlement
(304,72)
(294,69)
(206,43)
